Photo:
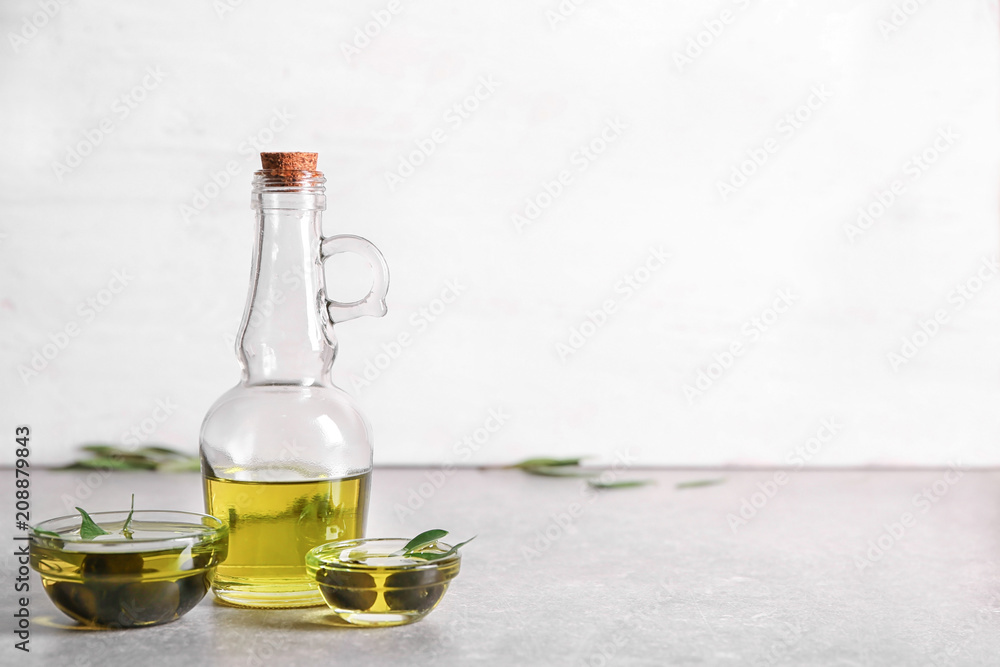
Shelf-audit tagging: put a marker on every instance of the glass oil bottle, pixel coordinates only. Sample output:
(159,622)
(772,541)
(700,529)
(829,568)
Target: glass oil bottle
(287,456)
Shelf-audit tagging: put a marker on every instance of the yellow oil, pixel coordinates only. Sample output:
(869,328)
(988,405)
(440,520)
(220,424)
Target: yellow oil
(271,527)
(367,583)
(385,594)
(127,588)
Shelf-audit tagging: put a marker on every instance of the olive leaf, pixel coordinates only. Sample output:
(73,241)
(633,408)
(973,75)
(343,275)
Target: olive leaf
(113,463)
(527,464)
(161,450)
(693,484)
(101,450)
(422,540)
(561,472)
(150,457)
(88,529)
(191,464)
(428,537)
(126,527)
(547,467)
(437,556)
(624,484)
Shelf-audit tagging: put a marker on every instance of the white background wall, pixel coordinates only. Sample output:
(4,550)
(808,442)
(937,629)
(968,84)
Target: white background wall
(167,336)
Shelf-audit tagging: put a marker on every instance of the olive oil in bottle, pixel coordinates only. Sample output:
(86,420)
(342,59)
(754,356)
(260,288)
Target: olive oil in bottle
(286,456)
(272,525)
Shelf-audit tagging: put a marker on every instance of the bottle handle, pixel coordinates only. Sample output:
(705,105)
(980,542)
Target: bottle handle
(373,303)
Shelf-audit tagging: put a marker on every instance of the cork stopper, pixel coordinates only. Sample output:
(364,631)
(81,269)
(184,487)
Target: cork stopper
(288,161)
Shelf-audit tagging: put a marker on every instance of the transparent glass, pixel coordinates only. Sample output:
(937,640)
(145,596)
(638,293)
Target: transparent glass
(286,456)
(156,575)
(367,583)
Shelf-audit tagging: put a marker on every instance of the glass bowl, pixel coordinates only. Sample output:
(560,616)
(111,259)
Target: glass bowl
(155,577)
(366,585)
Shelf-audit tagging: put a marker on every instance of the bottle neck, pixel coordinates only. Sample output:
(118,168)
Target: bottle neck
(284,337)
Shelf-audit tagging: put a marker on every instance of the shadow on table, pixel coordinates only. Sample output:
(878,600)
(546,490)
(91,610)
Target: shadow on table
(303,618)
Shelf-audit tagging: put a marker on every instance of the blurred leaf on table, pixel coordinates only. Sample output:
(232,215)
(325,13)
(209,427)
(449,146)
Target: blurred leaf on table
(149,457)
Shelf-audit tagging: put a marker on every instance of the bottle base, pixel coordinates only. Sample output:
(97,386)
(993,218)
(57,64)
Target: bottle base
(269,600)
(379,620)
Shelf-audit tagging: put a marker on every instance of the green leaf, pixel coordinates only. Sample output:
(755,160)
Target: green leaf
(624,484)
(150,457)
(422,540)
(160,451)
(114,463)
(434,556)
(88,529)
(546,463)
(695,483)
(126,530)
(192,464)
(103,450)
(561,472)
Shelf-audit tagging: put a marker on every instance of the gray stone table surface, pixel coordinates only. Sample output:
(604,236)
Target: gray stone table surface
(792,568)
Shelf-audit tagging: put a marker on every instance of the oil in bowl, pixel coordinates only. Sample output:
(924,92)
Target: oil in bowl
(156,574)
(366,584)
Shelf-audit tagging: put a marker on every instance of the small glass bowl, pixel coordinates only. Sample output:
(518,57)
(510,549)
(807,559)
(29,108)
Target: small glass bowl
(155,577)
(366,585)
